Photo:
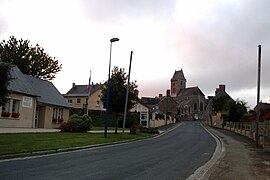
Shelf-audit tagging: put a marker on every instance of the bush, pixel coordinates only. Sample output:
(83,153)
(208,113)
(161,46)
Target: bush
(77,124)
(149,130)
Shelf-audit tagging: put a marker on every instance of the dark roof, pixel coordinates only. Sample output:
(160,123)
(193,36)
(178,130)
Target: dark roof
(164,98)
(48,94)
(44,90)
(178,75)
(187,102)
(82,90)
(191,91)
(20,84)
(137,99)
(150,101)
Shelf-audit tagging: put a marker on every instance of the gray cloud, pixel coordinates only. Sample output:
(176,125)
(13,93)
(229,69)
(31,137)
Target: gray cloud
(113,11)
(3,23)
(224,49)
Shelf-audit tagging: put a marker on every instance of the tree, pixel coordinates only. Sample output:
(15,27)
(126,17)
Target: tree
(222,103)
(237,111)
(30,60)
(4,81)
(118,85)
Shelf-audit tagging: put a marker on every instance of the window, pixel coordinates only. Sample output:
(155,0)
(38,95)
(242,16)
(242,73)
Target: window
(57,115)
(78,101)
(195,107)
(54,115)
(5,107)
(15,106)
(69,101)
(5,110)
(97,103)
(201,106)
(60,113)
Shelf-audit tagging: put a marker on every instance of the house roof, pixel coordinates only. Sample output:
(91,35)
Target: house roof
(48,94)
(138,100)
(191,91)
(178,75)
(165,97)
(44,90)
(20,84)
(82,90)
(150,101)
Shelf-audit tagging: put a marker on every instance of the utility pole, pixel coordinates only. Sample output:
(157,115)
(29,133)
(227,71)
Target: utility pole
(258,95)
(126,102)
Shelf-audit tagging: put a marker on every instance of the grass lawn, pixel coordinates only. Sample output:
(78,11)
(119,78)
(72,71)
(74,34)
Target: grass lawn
(31,142)
(102,128)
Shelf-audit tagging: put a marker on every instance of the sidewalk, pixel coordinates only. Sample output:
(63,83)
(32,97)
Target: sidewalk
(241,159)
(26,130)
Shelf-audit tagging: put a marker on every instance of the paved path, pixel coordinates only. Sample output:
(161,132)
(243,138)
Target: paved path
(174,155)
(26,130)
(241,159)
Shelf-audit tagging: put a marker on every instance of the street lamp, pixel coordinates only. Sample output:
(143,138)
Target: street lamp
(108,88)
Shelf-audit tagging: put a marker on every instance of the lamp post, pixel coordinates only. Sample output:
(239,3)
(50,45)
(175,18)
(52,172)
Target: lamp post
(258,95)
(126,100)
(108,88)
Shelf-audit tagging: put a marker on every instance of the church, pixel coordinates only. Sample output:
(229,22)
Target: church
(191,100)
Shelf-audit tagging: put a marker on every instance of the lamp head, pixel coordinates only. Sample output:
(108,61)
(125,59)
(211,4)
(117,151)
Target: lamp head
(114,39)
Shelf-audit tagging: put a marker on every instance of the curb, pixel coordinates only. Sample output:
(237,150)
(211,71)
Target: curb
(203,172)
(63,150)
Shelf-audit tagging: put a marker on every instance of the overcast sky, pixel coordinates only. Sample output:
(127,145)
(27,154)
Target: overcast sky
(213,41)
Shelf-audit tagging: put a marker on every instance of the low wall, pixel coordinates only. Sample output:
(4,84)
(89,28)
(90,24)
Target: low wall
(249,129)
(155,122)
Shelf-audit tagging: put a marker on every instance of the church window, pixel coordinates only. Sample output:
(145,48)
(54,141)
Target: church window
(201,106)
(181,83)
(195,106)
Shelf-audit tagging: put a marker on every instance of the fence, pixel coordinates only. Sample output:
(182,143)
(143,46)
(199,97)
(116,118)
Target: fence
(249,129)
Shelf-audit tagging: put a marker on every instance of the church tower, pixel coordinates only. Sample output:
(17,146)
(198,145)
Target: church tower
(178,83)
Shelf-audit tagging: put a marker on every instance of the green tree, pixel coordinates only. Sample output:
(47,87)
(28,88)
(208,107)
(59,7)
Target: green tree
(118,85)
(222,103)
(237,111)
(4,81)
(30,60)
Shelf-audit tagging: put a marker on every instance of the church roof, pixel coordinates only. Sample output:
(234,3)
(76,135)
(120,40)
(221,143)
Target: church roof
(191,91)
(178,75)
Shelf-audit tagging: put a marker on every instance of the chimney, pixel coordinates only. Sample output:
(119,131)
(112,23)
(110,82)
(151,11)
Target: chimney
(160,96)
(168,92)
(73,85)
(222,87)
(217,91)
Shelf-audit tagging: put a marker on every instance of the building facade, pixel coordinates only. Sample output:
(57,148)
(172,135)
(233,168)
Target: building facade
(32,103)
(191,100)
(79,99)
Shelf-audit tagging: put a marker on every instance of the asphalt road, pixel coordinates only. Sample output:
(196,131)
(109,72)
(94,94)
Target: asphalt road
(175,155)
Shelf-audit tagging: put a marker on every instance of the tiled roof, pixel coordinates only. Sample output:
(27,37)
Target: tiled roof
(164,98)
(48,94)
(178,75)
(82,90)
(150,101)
(137,99)
(44,90)
(20,84)
(191,91)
